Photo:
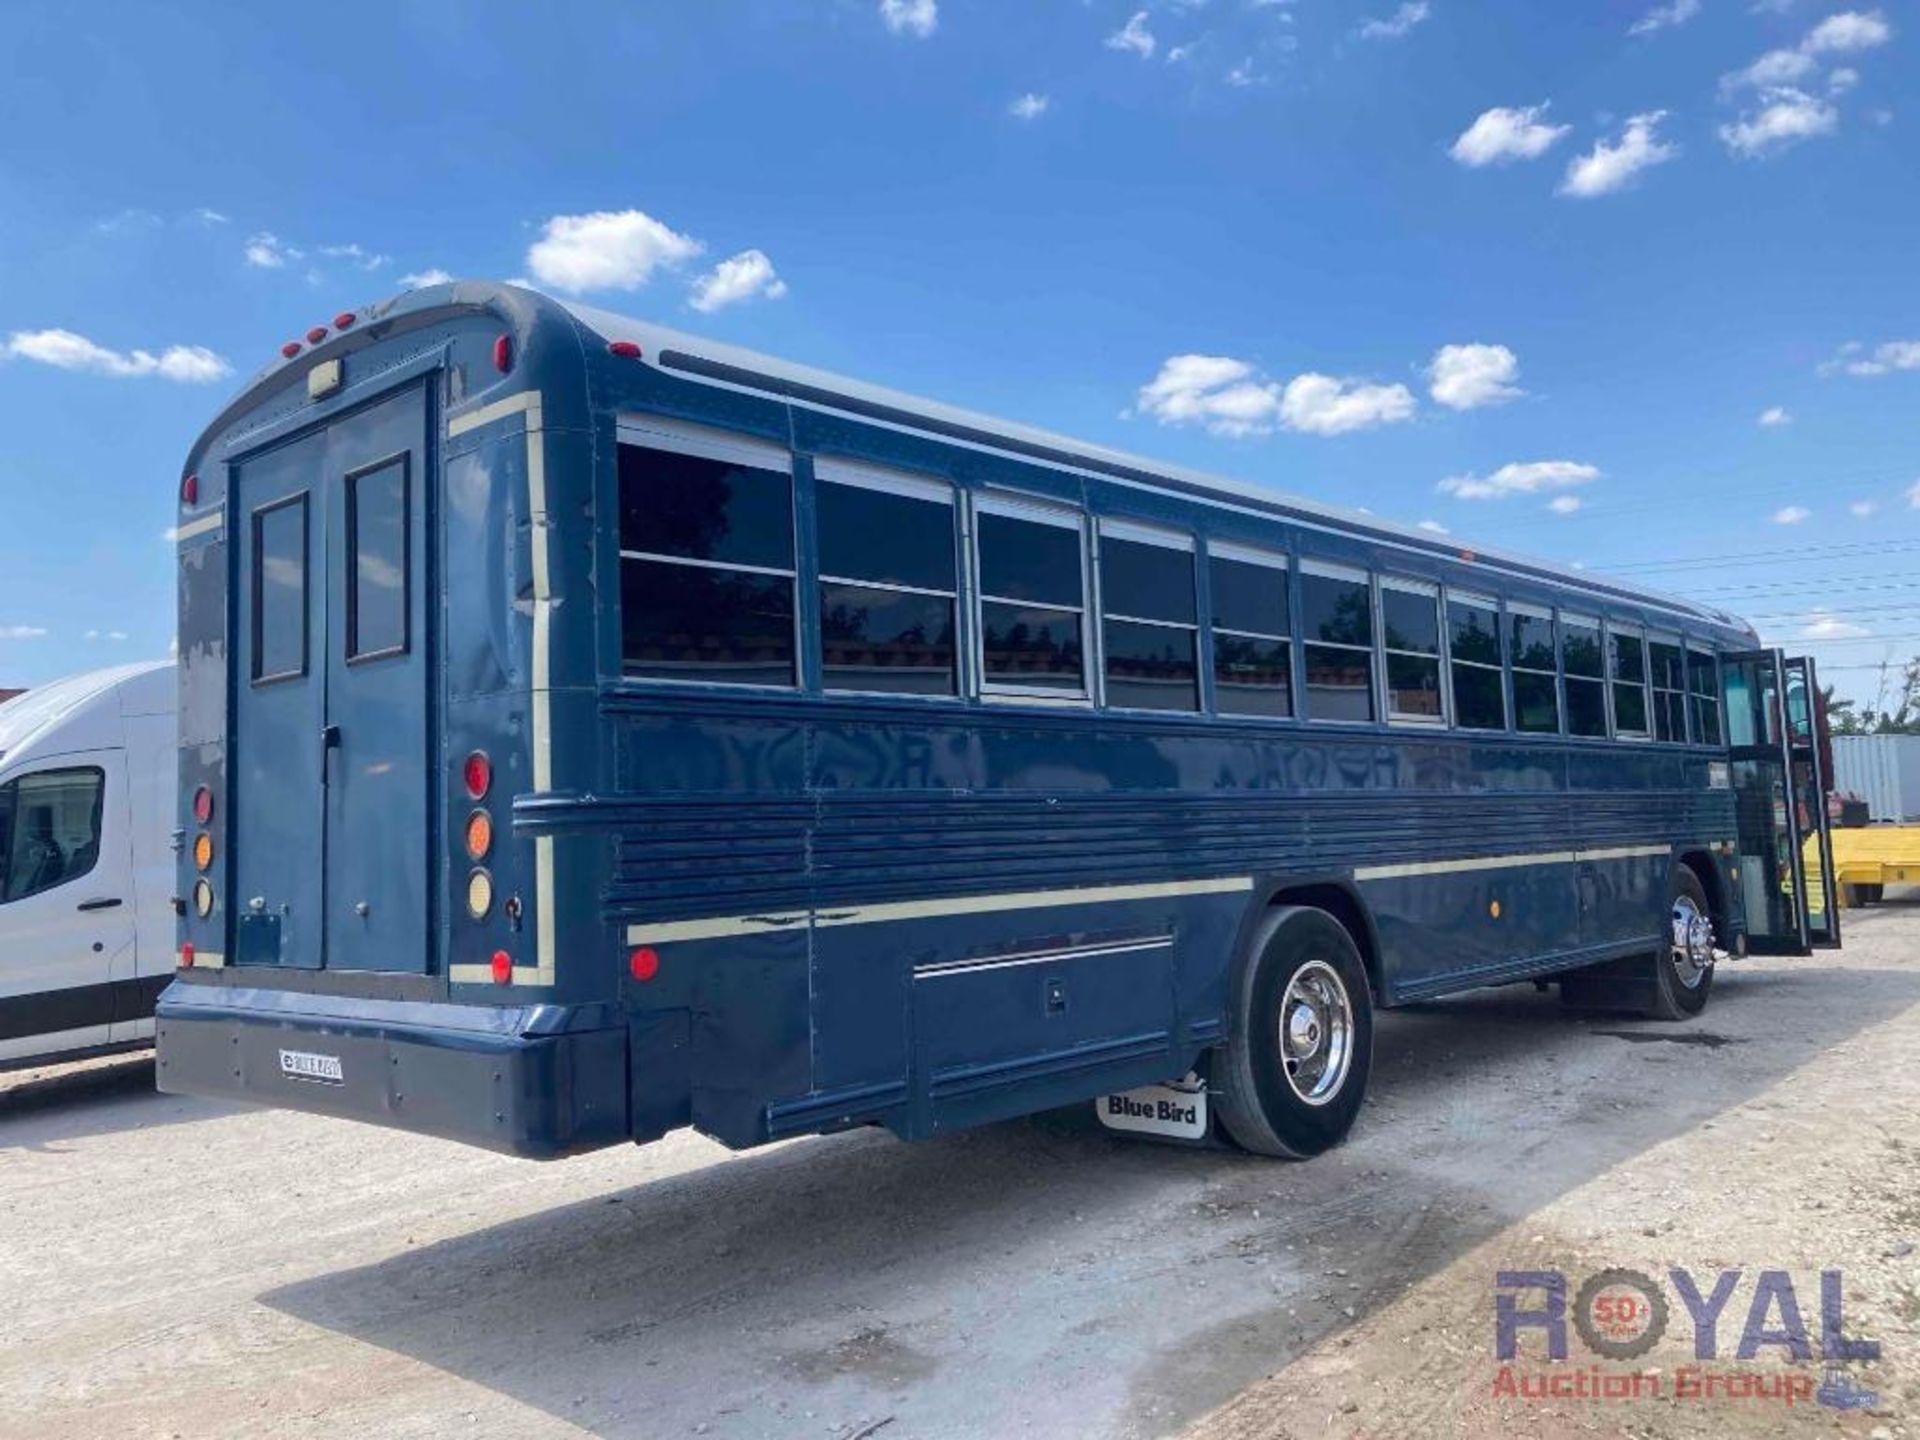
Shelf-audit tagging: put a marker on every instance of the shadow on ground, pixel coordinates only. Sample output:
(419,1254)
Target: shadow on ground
(44,1109)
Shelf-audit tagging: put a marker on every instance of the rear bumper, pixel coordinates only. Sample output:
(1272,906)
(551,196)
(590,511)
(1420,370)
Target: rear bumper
(538,1080)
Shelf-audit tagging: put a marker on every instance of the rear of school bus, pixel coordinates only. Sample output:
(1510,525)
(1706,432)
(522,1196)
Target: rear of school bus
(371,672)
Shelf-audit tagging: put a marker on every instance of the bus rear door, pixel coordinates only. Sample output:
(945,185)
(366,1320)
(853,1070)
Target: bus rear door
(1780,803)
(331,718)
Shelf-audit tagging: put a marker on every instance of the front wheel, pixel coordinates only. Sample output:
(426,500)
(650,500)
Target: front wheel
(1295,1068)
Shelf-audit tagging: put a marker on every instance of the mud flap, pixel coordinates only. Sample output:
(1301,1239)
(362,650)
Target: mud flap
(1624,984)
(1176,1112)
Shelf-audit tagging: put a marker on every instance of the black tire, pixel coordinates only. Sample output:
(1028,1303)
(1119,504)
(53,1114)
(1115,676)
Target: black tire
(1676,996)
(1259,1106)
(1871,894)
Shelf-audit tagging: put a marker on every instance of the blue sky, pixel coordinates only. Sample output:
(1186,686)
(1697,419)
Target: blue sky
(1540,274)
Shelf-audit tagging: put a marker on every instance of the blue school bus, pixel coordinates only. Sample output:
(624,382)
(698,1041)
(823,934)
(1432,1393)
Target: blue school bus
(588,730)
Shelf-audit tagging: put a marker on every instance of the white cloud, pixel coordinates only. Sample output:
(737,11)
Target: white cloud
(1609,167)
(1134,36)
(22,632)
(1029,106)
(1791,514)
(1912,492)
(1467,377)
(1504,133)
(1227,397)
(1860,509)
(606,250)
(1887,357)
(1565,504)
(1773,69)
(1243,75)
(104,635)
(64,350)
(1532,477)
(1787,117)
(1823,624)
(1433,527)
(910,17)
(353,251)
(1394,26)
(267,251)
(1847,32)
(1842,80)
(208,216)
(1775,415)
(420,279)
(1326,405)
(1675,12)
(741,277)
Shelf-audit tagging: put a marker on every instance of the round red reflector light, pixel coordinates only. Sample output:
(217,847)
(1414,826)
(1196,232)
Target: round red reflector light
(344,319)
(186,956)
(203,805)
(502,967)
(290,349)
(190,490)
(644,963)
(478,773)
(316,334)
(625,349)
(503,353)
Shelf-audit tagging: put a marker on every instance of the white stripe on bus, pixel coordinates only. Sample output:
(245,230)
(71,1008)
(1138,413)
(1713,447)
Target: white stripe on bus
(200,526)
(1506,862)
(1039,957)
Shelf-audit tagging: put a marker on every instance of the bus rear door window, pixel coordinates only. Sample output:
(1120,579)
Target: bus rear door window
(1149,625)
(280,589)
(1252,656)
(1585,667)
(1703,683)
(1536,686)
(1410,617)
(706,568)
(1473,638)
(377,562)
(887,589)
(1032,599)
(1336,610)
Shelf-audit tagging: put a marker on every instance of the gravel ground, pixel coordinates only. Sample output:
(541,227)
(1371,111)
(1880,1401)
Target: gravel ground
(177,1268)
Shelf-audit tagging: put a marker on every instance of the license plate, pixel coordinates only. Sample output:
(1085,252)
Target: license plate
(1178,1111)
(310,1065)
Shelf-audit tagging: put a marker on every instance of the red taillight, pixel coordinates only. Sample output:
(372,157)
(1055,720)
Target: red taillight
(502,967)
(644,963)
(186,956)
(503,353)
(478,773)
(343,319)
(625,349)
(290,349)
(316,334)
(190,490)
(203,805)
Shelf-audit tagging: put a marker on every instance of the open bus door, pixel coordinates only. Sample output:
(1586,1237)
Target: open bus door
(1780,803)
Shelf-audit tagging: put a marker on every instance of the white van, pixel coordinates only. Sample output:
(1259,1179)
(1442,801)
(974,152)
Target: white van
(87,801)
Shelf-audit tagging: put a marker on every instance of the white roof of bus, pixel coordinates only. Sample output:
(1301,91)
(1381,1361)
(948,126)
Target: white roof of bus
(654,338)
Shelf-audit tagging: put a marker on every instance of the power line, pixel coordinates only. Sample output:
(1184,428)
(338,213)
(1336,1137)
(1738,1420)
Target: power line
(1805,552)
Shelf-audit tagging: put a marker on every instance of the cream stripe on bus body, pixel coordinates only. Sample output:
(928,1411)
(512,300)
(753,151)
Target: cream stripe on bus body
(1506,862)
(733,926)
(527,402)
(201,526)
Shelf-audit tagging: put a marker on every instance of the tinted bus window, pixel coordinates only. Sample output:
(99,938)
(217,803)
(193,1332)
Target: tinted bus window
(1252,656)
(1473,635)
(280,589)
(1151,636)
(1667,673)
(1336,610)
(1032,600)
(1536,686)
(1628,664)
(887,591)
(706,569)
(1410,616)
(1585,666)
(1703,682)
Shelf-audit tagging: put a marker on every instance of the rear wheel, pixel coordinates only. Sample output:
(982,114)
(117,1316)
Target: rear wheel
(1295,1068)
(1683,971)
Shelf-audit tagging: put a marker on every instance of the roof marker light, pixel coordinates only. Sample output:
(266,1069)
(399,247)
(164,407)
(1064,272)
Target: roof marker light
(503,353)
(316,334)
(344,319)
(290,349)
(190,490)
(625,349)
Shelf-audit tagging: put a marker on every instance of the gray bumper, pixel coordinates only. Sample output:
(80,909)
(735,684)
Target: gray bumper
(525,1080)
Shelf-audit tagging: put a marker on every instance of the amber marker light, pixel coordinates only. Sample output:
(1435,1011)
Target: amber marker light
(203,851)
(479,835)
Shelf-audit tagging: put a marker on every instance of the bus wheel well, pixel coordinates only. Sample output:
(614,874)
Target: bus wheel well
(1344,906)
(1708,874)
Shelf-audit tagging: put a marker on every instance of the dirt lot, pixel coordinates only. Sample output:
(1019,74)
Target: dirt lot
(172,1267)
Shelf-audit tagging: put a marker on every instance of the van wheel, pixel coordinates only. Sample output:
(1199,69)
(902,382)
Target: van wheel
(1295,1067)
(1683,970)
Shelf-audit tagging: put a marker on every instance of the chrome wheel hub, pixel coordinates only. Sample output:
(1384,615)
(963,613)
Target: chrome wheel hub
(1692,942)
(1316,1032)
